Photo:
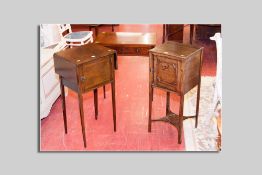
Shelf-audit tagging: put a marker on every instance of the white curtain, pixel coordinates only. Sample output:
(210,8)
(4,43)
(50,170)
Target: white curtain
(49,35)
(218,86)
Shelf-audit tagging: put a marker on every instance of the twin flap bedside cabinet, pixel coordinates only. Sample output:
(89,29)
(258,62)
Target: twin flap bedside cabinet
(176,68)
(83,69)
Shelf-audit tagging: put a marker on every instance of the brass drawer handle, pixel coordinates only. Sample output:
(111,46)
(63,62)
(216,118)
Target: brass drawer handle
(158,78)
(83,78)
(137,50)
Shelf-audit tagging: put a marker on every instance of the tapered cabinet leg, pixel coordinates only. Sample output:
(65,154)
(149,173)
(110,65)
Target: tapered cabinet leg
(96,30)
(197,104)
(191,33)
(115,61)
(167,102)
(164,33)
(151,71)
(96,103)
(63,103)
(113,103)
(152,94)
(104,90)
(80,102)
(180,124)
(150,107)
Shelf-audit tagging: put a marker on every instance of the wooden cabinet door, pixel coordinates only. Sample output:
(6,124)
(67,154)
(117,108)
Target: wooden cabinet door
(96,73)
(166,73)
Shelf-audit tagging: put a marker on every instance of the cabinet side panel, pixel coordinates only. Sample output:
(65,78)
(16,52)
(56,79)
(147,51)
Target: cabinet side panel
(191,72)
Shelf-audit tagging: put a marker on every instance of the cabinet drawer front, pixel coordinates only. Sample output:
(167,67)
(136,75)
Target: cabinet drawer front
(132,50)
(96,73)
(166,73)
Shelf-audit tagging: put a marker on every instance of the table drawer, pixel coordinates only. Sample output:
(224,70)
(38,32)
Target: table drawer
(166,73)
(96,73)
(132,50)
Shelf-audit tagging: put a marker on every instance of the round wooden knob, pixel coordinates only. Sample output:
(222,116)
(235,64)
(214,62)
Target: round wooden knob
(82,78)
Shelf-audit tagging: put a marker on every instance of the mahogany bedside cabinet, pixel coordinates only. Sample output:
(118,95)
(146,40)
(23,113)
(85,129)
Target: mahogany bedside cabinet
(176,68)
(83,69)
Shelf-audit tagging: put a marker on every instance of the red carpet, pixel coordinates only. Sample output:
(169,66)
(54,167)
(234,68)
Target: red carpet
(131,109)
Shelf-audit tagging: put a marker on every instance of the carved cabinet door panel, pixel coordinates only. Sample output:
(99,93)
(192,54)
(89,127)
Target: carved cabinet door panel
(166,73)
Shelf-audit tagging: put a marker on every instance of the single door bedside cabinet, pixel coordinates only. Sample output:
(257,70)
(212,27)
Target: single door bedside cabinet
(176,68)
(83,69)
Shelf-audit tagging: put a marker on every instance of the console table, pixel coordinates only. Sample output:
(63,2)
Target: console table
(174,67)
(83,69)
(127,43)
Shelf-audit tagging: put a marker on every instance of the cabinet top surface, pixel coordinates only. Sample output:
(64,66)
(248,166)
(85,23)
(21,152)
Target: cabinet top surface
(126,38)
(176,49)
(85,53)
